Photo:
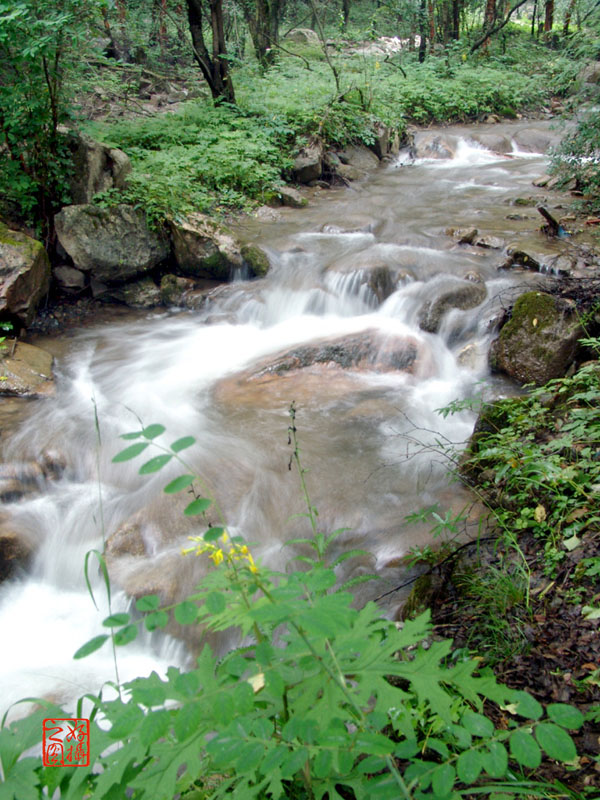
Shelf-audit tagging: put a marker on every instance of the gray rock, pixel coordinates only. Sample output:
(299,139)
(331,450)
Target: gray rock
(349,173)
(113,244)
(462,235)
(24,274)
(381,145)
(97,168)
(590,73)
(291,197)
(303,36)
(536,140)
(173,289)
(139,294)
(69,279)
(432,145)
(489,242)
(540,341)
(359,157)
(492,141)
(26,371)
(204,249)
(308,164)
(462,296)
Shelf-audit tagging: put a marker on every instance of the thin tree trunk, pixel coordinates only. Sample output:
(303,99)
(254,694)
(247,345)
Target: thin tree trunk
(456,19)
(422,31)
(568,15)
(533,15)
(548,16)
(431,25)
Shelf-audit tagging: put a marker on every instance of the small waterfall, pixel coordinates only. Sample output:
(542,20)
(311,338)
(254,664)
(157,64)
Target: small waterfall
(355,267)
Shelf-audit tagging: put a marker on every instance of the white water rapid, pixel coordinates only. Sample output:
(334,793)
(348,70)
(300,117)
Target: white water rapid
(367,434)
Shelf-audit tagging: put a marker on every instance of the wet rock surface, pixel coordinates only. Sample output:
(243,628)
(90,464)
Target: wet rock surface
(463,295)
(540,340)
(24,275)
(203,248)
(26,371)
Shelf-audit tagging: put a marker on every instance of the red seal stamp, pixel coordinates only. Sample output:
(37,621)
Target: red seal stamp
(66,742)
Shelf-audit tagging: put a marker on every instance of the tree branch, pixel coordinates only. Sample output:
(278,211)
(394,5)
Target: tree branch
(496,28)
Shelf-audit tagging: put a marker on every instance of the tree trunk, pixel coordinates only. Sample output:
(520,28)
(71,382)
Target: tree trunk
(431,25)
(346,12)
(549,15)
(533,15)
(215,68)
(422,31)
(568,15)
(456,19)
(262,18)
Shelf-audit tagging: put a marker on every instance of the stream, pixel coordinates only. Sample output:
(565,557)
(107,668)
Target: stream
(371,436)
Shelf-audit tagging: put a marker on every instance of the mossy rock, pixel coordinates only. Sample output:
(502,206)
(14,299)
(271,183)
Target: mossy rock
(256,259)
(24,275)
(540,341)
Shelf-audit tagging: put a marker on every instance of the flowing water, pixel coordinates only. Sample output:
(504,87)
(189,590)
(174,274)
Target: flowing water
(370,438)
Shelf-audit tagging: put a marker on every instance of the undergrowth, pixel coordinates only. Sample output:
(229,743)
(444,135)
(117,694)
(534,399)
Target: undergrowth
(319,700)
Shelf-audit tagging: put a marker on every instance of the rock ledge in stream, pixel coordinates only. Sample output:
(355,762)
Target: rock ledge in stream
(323,371)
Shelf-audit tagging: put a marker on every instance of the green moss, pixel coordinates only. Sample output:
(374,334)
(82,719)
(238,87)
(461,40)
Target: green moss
(16,239)
(257,259)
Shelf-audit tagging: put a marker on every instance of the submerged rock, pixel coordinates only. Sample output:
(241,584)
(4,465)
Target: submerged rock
(112,244)
(540,341)
(26,371)
(24,274)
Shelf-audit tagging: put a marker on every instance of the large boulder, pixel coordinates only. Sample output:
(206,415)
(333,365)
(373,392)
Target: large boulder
(359,157)
(495,142)
(303,36)
(204,249)
(536,140)
(308,164)
(463,295)
(540,341)
(24,275)
(113,244)
(26,371)
(96,168)
(432,145)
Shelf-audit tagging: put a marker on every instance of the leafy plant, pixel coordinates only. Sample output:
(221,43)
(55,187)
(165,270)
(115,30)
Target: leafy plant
(320,699)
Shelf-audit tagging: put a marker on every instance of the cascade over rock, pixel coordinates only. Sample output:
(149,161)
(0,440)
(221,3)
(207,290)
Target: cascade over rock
(463,295)
(24,275)
(112,244)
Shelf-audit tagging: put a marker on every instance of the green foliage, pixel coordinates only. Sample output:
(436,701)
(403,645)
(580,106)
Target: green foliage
(577,157)
(203,158)
(540,482)
(322,699)
(40,44)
